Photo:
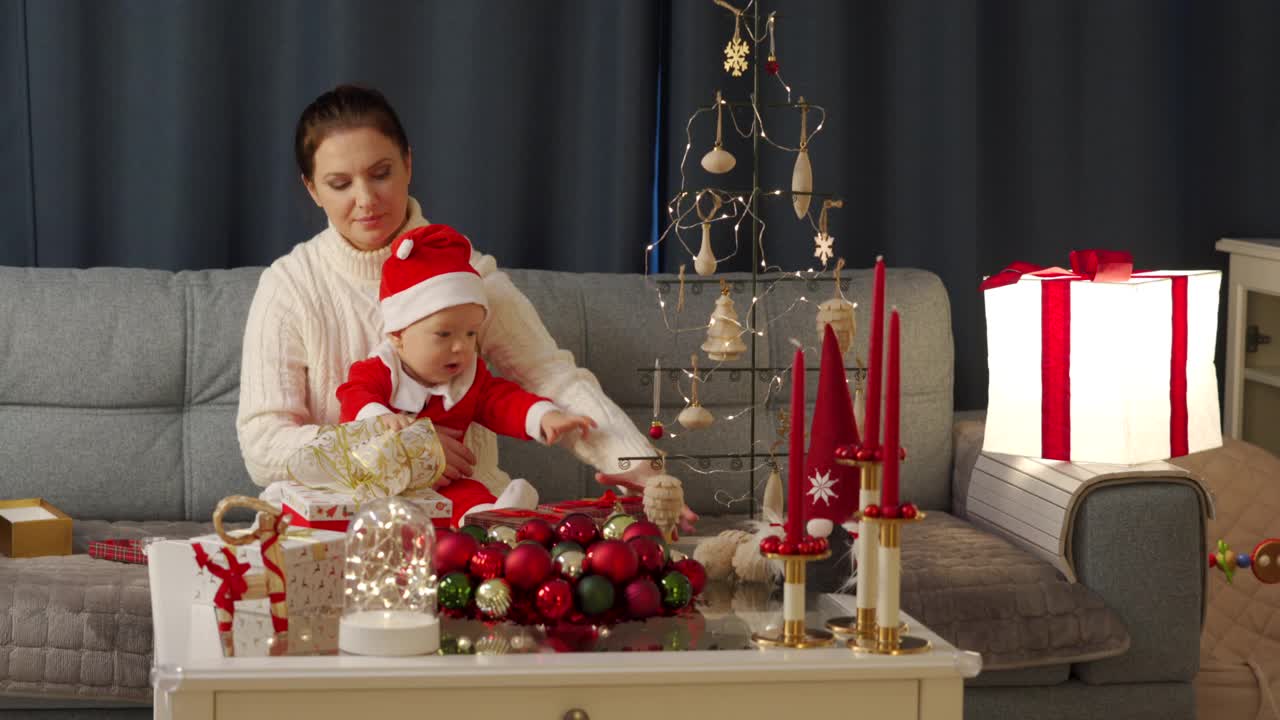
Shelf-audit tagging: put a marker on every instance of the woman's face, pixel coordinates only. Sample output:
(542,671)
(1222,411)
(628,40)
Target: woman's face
(361,180)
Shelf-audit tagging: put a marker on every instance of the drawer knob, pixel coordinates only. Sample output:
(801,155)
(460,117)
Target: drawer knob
(577,714)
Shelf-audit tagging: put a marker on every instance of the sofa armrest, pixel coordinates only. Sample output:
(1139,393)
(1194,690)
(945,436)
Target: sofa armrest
(1141,548)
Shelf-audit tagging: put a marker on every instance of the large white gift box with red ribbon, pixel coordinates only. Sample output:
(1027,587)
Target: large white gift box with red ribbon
(1101,364)
(333,509)
(235,578)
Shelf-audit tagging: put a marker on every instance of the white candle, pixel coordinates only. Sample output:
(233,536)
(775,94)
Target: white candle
(890,586)
(657,387)
(868,543)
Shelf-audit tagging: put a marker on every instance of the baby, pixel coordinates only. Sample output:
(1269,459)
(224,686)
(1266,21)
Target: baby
(433,306)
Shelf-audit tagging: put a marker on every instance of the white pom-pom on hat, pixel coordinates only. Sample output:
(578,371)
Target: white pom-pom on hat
(405,248)
(820,527)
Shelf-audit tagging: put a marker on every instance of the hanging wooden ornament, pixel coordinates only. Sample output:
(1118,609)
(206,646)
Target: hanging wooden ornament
(705,262)
(724,334)
(771,65)
(695,417)
(771,506)
(663,501)
(823,242)
(718,160)
(859,396)
(737,50)
(802,173)
(837,312)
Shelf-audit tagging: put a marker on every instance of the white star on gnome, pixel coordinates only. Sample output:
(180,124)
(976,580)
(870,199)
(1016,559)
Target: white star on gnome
(823,487)
(822,249)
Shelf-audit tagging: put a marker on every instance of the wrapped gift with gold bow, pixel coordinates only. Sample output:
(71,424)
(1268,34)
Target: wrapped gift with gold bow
(354,462)
(266,571)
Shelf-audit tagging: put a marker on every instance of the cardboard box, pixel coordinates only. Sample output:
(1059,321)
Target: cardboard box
(313,565)
(32,527)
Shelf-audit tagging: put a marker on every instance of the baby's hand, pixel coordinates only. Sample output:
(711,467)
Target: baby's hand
(395,421)
(555,424)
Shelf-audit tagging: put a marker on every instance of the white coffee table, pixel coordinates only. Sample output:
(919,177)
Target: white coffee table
(193,681)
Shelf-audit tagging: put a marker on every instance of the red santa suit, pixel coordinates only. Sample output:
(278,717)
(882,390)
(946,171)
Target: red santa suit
(428,271)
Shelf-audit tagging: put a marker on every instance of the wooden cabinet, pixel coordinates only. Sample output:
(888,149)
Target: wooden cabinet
(1251,396)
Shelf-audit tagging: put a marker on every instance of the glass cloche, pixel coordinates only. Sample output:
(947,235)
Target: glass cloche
(389,604)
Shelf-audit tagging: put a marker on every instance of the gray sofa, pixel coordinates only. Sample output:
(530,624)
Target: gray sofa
(118,392)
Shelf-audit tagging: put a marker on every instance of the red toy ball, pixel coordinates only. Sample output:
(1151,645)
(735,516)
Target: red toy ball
(693,570)
(497,546)
(613,559)
(650,553)
(453,552)
(770,544)
(890,511)
(787,548)
(655,431)
(641,527)
(537,530)
(578,528)
(527,566)
(909,511)
(871,511)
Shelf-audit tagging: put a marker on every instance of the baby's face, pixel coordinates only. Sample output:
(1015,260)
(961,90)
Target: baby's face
(440,346)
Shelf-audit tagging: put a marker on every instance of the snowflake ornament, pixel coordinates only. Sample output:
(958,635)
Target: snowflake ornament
(823,487)
(735,56)
(822,246)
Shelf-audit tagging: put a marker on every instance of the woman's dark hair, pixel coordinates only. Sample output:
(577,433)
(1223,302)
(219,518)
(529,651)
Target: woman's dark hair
(344,108)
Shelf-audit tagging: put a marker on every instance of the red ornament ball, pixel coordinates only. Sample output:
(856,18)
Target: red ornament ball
(649,552)
(453,552)
(497,546)
(613,559)
(844,452)
(554,599)
(770,544)
(902,453)
(487,563)
(890,511)
(909,511)
(787,547)
(655,431)
(640,528)
(537,530)
(771,67)
(1213,560)
(864,455)
(578,528)
(527,566)
(643,598)
(871,511)
(693,570)
(806,547)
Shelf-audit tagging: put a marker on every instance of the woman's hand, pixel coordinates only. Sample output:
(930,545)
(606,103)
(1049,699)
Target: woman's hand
(636,487)
(459,461)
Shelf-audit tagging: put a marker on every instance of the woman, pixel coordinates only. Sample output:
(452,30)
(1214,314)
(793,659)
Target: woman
(316,309)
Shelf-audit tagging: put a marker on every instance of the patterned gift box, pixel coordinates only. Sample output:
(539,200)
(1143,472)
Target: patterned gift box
(599,509)
(332,510)
(511,518)
(127,550)
(312,562)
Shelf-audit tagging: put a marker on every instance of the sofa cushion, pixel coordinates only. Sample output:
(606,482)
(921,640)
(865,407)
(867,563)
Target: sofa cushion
(981,593)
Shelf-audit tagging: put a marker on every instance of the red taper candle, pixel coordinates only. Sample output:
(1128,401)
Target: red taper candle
(892,401)
(871,427)
(795,461)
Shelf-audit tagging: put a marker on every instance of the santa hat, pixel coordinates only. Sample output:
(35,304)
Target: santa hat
(831,490)
(429,270)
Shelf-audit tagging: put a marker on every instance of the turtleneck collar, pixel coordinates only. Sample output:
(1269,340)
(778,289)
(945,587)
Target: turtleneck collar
(364,265)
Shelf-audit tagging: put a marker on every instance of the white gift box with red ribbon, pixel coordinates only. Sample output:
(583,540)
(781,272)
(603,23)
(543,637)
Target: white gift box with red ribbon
(312,567)
(1098,364)
(333,509)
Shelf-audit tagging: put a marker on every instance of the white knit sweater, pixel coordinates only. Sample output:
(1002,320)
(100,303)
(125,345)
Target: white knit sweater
(316,311)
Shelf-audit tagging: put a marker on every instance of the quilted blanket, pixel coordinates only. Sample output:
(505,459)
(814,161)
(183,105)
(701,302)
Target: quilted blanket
(1240,646)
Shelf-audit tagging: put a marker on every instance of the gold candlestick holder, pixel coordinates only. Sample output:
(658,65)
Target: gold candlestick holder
(863,625)
(890,637)
(794,633)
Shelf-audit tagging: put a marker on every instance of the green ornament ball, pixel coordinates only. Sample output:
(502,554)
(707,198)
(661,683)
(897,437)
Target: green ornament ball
(565,546)
(455,591)
(677,591)
(595,594)
(480,534)
(616,525)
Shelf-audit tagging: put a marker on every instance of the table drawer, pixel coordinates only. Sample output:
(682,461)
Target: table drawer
(887,700)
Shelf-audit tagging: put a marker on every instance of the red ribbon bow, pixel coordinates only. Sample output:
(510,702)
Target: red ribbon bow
(233,586)
(1091,265)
